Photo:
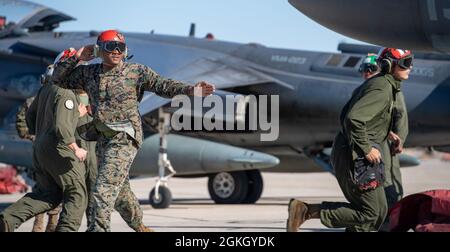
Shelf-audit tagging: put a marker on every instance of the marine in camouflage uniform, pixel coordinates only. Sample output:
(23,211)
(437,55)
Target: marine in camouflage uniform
(115,98)
(129,212)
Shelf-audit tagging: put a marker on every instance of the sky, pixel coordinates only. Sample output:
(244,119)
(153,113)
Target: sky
(273,23)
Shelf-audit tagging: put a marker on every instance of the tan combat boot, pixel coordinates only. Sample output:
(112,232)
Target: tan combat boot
(38,225)
(299,212)
(143,228)
(52,223)
(53,217)
(297,215)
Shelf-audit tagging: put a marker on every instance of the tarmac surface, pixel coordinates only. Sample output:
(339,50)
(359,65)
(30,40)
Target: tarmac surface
(193,211)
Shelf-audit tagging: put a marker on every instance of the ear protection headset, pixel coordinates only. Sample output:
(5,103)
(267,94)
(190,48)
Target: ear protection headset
(385,65)
(384,62)
(96,51)
(369,64)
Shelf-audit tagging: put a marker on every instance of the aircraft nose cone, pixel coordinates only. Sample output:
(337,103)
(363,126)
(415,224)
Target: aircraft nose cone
(254,160)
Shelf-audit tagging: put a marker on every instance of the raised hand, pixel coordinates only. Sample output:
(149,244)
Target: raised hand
(85,53)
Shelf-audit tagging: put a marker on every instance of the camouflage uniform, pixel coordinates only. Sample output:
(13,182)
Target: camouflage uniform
(115,96)
(21,124)
(130,213)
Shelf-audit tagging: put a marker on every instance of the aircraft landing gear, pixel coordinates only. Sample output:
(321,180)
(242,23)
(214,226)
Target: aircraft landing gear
(241,187)
(255,186)
(161,197)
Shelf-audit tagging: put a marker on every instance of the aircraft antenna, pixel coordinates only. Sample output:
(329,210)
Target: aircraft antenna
(192,30)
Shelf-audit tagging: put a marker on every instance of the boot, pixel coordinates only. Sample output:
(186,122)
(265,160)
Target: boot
(299,212)
(297,215)
(143,228)
(38,225)
(313,211)
(52,223)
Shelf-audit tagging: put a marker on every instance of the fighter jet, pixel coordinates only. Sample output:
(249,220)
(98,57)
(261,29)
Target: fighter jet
(312,88)
(421,25)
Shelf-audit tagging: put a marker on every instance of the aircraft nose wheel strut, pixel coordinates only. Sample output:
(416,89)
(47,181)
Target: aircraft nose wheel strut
(160,197)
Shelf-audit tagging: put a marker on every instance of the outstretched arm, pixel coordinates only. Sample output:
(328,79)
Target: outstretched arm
(168,88)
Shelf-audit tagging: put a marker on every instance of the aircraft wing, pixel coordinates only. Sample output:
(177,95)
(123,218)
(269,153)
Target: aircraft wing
(36,48)
(151,102)
(223,74)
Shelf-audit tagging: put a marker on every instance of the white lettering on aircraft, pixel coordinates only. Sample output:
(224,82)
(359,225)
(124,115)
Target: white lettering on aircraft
(289,59)
(423,71)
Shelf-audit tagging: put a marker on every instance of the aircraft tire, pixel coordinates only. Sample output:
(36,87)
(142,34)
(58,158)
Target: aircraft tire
(165,198)
(228,187)
(255,186)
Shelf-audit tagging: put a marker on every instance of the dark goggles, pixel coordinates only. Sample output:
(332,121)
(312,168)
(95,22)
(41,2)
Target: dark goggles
(368,68)
(405,63)
(111,46)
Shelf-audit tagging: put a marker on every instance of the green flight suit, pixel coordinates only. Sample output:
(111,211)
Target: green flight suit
(393,183)
(366,120)
(90,163)
(60,176)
